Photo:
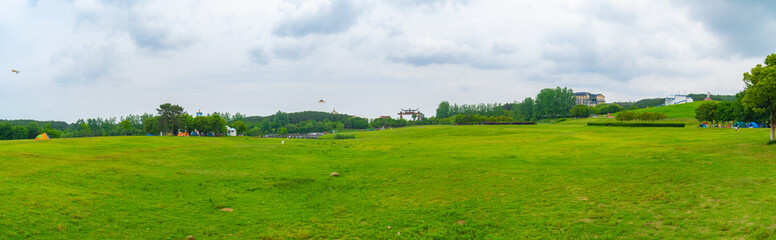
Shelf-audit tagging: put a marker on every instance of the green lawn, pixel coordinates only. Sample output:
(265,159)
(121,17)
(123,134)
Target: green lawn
(553,181)
(684,110)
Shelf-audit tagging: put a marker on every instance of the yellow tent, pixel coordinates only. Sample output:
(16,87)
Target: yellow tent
(42,136)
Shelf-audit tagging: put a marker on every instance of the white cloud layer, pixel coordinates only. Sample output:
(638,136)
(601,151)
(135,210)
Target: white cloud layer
(88,58)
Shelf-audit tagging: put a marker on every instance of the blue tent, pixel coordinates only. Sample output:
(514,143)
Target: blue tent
(752,125)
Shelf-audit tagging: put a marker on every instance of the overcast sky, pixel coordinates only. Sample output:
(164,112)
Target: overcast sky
(111,58)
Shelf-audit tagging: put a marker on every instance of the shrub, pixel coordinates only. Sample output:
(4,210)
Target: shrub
(637,124)
(344,136)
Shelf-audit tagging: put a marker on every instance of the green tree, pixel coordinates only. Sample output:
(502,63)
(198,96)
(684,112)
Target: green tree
(625,116)
(281,118)
(761,90)
(255,131)
(725,112)
(33,130)
(283,131)
(84,130)
(580,111)
(265,126)
(443,110)
(52,133)
(217,124)
(185,122)
(555,102)
(18,132)
(706,111)
(151,125)
(609,108)
(202,124)
(126,126)
(527,108)
(5,131)
(168,116)
(240,127)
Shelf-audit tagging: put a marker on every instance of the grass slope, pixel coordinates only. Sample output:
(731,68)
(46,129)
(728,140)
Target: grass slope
(434,182)
(684,110)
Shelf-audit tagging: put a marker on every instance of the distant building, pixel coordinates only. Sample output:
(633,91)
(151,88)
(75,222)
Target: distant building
(677,99)
(230,131)
(385,117)
(334,111)
(589,99)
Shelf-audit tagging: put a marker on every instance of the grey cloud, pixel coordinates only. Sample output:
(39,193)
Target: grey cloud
(503,48)
(290,52)
(431,52)
(339,16)
(425,59)
(416,3)
(122,3)
(147,29)
(258,56)
(577,52)
(87,64)
(749,27)
(156,35)
(295,48)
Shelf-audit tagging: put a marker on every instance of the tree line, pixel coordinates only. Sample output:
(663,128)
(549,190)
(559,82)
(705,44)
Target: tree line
(756,103)
(549,103)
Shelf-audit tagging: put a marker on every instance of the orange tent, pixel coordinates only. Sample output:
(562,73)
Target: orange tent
(42,136)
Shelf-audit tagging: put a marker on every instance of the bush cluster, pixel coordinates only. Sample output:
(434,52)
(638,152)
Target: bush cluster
(344,136)
(637,124)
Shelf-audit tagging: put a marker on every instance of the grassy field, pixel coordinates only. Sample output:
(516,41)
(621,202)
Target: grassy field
(565,181)
(678,111)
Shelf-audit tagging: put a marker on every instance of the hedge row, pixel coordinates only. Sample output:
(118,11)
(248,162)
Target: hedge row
(637,124)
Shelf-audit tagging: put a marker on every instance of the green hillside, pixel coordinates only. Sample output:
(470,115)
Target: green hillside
(685,110)
(547,181)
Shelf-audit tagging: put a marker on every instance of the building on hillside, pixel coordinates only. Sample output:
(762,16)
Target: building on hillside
(677,99)
(230,131)
(589,99)
(334,111)
(385,117)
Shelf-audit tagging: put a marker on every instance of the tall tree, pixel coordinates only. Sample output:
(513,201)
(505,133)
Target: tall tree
(18,132)
(554,102)
(706,111)
(527,108)
(761,90)
(443,110)
(240,127)
(151,124)
(281,118)
(126,126)
(32,130)
(217,124)
(168,116)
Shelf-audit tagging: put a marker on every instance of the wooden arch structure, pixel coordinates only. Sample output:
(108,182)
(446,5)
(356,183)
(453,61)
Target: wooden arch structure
(410,112)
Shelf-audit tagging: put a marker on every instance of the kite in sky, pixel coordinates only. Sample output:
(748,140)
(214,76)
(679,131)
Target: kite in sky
(15,71)
(321,101)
